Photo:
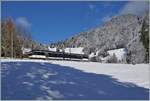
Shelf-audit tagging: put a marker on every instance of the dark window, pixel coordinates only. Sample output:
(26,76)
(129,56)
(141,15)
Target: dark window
(38,53)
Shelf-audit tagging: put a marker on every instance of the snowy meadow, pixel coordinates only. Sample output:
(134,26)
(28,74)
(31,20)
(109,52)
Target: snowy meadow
(80,50)
(51,79)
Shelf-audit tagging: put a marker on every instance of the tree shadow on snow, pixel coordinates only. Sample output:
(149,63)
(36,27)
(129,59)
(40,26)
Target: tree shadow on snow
(29,80)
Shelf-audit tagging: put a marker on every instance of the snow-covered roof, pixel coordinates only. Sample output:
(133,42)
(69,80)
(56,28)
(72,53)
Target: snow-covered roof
(92,55)
(78,50)
(52,49)
(118,52)
(25,50)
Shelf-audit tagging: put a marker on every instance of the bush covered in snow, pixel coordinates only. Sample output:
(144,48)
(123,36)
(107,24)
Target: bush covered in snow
(112,59)
(93,59)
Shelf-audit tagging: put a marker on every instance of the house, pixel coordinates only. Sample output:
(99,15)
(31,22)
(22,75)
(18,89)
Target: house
(26,50)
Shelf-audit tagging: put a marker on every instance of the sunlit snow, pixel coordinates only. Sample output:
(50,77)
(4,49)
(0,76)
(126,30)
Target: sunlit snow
(49,79)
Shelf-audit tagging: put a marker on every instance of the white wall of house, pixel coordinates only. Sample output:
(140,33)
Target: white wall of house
(25,50)
(52,49)
(120,53)
(78,50)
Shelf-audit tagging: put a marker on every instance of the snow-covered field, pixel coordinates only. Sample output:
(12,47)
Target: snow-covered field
(51,79)
(137,74)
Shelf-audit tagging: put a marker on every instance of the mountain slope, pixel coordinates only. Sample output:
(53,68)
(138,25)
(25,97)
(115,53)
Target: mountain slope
(121,31)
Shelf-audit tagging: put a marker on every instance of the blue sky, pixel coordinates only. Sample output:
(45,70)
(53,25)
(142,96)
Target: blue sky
(53,21)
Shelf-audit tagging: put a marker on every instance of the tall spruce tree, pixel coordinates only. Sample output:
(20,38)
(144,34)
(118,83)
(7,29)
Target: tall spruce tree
(145,39)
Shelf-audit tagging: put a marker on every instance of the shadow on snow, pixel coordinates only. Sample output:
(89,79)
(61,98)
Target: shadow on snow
(29,80)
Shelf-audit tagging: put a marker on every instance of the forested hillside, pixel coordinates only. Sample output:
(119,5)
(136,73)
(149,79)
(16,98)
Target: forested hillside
(124,31)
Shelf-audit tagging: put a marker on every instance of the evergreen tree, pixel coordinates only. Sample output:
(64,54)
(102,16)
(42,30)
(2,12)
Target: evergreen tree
(112,59)
(145,39)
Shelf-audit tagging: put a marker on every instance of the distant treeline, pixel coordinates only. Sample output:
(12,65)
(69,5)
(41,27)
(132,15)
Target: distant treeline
(14,38)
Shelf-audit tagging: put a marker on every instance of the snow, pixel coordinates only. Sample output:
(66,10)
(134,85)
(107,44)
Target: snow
(78,50)
(137,74)
(46,76)
(52,49)
(120,53)
(30,75)
(26,50)
(37,56)
(52,79)
(92,55)
(27,83)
